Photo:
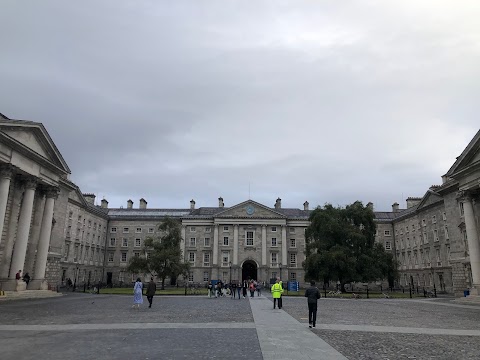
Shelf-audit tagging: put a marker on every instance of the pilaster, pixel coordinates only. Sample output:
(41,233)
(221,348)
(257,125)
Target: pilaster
(264,245)
(6,173)
(235,245)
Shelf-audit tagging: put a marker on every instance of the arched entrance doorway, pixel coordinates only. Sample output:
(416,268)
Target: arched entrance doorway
(249,270)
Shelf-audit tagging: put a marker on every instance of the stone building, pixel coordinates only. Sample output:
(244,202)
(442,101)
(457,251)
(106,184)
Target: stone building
(51,230)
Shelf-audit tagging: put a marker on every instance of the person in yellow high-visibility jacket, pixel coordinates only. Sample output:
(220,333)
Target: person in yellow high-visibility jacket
(277,291)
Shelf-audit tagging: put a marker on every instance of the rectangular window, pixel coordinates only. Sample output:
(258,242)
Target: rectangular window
(293,260)
(249,238)
(205,276)
(208,229)
(386,233)
(190,277)
(424,223)
(124,256)
(113,230)
(274,242)
(125,242)
(192,228)
(138,230)
(150,230)
(70,215)
(206,259)
(435,235)
(388,245)
(274,258)
(225,258)
(193,241)
(113,241)
(138,242)
(293,243)
(274,229)
(191,257)
(292,230)
(445,229)
(89,223)
(110,257)
(206,242)
(125,230)
(225,229)
(293,276)
(444,216)
(79,219)
(94,226)
(425,238)
(225,240)
(136,254)
(434,219)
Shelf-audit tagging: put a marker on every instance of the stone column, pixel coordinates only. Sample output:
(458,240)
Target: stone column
(44,242)
(6,173)
(284,245)
(215,245)
(235,245)
(183,242)
(264,245)
(473,243)
(20,249)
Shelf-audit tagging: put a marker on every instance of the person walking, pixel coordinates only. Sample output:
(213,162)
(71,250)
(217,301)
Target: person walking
(210,289)
(234,290)
(244,289)
(277,293)
(252,289)
(259,288)
(26,278)
(137,294)
(239,290)
(151,291)
(312,294)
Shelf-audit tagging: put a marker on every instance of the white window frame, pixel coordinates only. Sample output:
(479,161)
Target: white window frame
(225,259)
(151,230)
(193,242)
(190,277)
(113,243)
(274,258)
(206,242)
(113,229)
(206,276)
(226,229)
(274,229)
(294,257)
(138,230)
(294,242)
(291,230)
(206,259)
(110,257)
(124,240)
(274,242)
(226,241)
(191,255)
(122,256)
(388,245)
(387,233)
(434,219)
(138,242)
(444,216)
(246,237)
(208,229)
(293,276)
(127,230)
(192,229)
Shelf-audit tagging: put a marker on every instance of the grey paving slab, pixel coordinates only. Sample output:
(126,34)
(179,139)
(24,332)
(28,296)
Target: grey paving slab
(283,337)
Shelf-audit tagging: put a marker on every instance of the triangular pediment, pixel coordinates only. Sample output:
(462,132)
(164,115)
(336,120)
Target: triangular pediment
(468,158)
(250,209)
(77,197)
(34,137)
(430,198)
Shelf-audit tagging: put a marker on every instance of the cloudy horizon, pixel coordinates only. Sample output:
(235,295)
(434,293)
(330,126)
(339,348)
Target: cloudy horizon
(321,101)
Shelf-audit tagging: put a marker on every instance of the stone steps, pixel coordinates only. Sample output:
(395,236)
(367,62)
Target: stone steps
(29,294)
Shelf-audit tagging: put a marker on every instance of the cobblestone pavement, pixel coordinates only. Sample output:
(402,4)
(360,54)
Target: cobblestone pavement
(387,312)
(87,308)
(376,346)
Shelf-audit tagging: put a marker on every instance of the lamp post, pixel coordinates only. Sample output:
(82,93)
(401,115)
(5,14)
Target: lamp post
(280,266)
(230,265)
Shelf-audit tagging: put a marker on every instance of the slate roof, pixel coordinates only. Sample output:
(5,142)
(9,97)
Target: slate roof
(147,213)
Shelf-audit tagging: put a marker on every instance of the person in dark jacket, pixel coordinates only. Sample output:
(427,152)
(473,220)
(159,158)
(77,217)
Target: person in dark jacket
(312,294)
(151,291)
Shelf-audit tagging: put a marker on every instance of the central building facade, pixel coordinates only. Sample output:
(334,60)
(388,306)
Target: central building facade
(246,241)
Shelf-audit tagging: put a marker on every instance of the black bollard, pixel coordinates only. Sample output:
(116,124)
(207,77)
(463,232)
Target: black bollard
(424,293)
(410,292)
(368,297)
(434,290)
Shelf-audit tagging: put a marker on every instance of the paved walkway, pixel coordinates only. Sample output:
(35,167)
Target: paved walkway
(283,337)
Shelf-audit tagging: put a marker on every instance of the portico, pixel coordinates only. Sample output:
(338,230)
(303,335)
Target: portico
(31,175)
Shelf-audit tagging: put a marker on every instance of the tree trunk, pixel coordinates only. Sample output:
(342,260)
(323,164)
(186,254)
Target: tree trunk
(342,287)
(163,283)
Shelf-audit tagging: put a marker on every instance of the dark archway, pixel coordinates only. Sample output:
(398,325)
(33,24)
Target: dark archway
(249,270)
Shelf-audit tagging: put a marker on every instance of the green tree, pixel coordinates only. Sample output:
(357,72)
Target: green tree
(163,256)
(341,246)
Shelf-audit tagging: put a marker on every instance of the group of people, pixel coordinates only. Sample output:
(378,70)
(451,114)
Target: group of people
(233,289)
(219,289)
(26,277)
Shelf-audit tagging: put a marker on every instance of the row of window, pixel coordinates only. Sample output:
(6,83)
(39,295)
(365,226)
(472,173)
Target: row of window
(227,262)
(226,242)
(227,229)
(137,243)
(138,230)
(83,220)
(406,260)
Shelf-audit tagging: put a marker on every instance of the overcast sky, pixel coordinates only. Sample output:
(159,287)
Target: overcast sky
(325,101)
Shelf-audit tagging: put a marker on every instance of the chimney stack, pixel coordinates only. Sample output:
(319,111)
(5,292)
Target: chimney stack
(413,201)
(220,202)
(370,205)
(395,207)
(90,198)
(104,204)
(305,205)
(143,203)
(129,204)
(192,204)
(278,203)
